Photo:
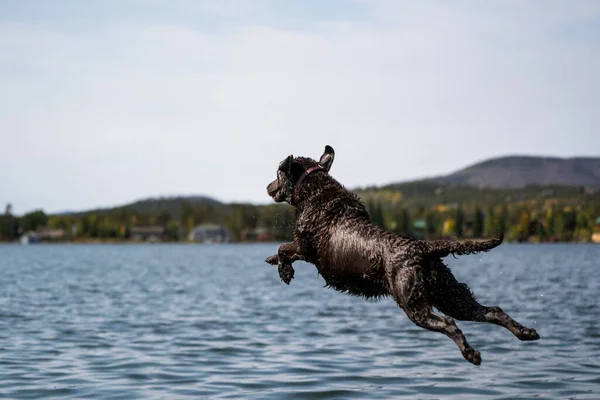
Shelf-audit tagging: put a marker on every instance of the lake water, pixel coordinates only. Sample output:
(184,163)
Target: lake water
(201,321)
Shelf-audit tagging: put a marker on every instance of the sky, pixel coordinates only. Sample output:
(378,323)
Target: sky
(107,102)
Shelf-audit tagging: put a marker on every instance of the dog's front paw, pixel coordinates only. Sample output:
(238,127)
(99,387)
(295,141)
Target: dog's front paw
(273,260)
(286,273)
(527,334)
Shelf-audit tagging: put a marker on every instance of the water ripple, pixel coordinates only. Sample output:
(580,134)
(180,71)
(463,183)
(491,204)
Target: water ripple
(179,322)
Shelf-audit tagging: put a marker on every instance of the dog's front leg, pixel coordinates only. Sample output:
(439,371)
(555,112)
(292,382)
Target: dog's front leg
(290,250)
(286,255)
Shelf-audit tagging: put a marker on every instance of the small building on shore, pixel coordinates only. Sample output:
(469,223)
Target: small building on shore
(43,234)
(419,228)
(148,233)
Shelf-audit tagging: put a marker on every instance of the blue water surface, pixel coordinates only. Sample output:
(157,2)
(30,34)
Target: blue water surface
(214,321)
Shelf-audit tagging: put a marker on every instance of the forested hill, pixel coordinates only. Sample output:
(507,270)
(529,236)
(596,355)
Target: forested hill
(520,171)
(491,182)
(528,198)
(154,205)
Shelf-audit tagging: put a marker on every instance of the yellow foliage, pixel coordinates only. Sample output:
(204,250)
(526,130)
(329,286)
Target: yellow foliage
(524,223)
(448,227)
(390,196)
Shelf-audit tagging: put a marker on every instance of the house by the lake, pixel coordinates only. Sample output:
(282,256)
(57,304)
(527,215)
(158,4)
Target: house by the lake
(43,234)
(419,228)
(148,233)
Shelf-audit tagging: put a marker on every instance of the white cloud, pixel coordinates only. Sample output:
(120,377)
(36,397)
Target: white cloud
(114,114)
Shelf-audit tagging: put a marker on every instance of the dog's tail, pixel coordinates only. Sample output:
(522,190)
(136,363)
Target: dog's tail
(443,248)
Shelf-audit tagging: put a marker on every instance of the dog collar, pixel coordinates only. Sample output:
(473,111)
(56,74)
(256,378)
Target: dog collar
(302,177)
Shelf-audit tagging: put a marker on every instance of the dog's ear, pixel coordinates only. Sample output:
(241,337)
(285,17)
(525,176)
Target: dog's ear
(327,158)
(286,164)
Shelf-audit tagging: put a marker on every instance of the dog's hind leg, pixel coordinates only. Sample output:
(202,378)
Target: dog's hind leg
(408,292)
(456,300)
(426,318)
(495,315)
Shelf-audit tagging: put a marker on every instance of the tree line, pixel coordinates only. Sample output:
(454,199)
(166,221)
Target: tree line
(536,219)
(519,222)
(117,224)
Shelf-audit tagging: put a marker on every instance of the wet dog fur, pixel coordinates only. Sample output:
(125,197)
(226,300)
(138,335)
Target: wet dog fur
(334,232)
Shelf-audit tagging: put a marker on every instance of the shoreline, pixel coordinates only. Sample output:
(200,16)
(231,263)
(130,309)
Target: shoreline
(132,242)
(128,242)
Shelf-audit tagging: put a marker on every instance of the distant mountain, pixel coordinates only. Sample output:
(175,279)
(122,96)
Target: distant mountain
(154,205)
(504,173)
(521,171)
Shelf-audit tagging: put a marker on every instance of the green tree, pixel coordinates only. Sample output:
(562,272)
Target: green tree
(583,220)
(570,224)
(8,225)
(163,218)
(523,227)
(420,211)
(559,224)
(540,231)
(89,225)
(105,229)
(31,221)
(551,222)
(502,221)
(235,222)
(375,211)
(478,223)
(172,230)
(403,222)
(250,215)
(564,224)
(430,220)
(490,227)
(459,220)
(380,215)
(186,212)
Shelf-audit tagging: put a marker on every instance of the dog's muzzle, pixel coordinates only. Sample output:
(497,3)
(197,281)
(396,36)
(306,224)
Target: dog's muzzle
(273,189)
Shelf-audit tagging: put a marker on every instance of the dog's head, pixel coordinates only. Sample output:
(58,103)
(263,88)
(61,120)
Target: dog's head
(290,171)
